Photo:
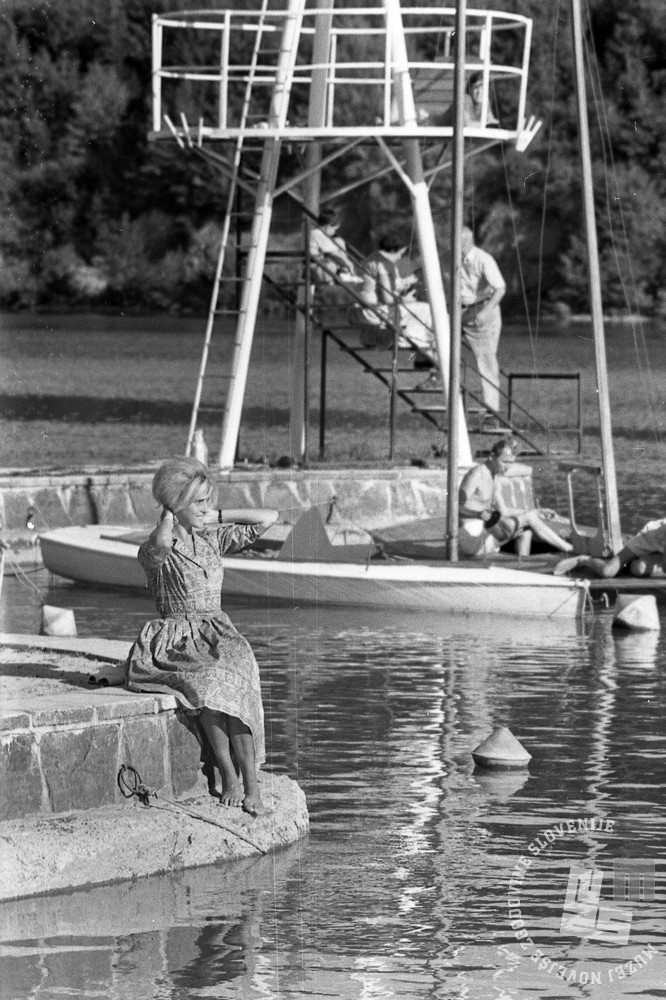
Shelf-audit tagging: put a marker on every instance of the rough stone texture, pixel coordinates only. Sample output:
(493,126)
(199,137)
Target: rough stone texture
(143,747)
(20,778)
(62,750)
(364,498)
(62,716)
(9,723)
(130,841)
(79,767)
(187,755)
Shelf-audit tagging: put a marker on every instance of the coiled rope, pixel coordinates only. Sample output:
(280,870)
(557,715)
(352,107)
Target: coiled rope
(131,786)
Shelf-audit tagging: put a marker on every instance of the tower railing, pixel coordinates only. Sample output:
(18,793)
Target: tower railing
(202,63)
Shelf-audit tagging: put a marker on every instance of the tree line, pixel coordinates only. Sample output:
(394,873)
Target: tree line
(92,213)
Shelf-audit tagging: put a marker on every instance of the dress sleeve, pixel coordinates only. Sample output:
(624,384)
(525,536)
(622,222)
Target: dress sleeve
(151,558)
(234,537)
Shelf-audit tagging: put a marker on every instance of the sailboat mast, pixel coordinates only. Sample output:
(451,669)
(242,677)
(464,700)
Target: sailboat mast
(419,194)
(457,205)
(608,458)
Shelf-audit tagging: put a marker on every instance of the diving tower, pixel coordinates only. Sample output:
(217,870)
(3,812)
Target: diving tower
(240,87)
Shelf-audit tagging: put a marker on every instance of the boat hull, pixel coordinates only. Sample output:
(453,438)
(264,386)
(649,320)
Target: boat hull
(90,555)
(448,590)
(96,555)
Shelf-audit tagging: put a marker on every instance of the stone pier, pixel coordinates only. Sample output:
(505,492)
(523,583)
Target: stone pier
(66,728)
(355,500)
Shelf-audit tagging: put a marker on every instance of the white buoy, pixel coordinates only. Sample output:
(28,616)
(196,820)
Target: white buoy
(637,611)
(57,621)
(501,750)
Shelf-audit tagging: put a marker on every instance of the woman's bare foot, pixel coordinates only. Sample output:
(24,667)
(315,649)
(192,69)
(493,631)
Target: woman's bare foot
(253,805)
(232,795)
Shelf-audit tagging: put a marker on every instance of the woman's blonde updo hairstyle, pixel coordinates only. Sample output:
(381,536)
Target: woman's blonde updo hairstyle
(178,481)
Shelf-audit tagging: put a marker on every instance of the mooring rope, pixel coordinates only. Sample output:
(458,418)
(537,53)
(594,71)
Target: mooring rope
(19,572)
(131,785)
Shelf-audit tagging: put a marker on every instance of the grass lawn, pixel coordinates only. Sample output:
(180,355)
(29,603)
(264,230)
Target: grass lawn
(114,391)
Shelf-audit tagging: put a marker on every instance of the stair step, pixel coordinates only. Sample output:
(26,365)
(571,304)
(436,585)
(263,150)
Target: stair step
(409,371)
(358,348)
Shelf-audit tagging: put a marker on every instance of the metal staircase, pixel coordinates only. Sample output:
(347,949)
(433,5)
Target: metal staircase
(391,362)
(306,61)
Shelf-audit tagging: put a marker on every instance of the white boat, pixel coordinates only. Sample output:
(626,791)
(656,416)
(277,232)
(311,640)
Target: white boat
(354,575)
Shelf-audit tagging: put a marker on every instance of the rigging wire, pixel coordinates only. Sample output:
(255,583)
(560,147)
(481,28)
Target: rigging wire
(21,575)
(534,327)
(610,168)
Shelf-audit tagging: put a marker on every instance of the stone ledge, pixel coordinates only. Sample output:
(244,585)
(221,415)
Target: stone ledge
(62,741)
(365,499)
(129,841)
(107,650)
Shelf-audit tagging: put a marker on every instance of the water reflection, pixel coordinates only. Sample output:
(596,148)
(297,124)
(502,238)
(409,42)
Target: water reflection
(636,649)
(402,887)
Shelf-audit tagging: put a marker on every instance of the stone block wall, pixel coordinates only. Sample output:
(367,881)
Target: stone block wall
(68,758)
(355,500)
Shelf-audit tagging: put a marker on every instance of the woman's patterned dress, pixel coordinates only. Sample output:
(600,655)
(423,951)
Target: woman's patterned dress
(193,651)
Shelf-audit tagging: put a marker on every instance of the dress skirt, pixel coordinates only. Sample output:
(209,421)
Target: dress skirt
(204,662)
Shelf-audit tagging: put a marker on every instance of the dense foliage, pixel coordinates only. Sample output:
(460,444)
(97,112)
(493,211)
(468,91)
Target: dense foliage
(91,212)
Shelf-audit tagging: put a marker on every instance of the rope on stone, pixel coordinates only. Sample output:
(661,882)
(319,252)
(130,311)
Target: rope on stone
(131,785)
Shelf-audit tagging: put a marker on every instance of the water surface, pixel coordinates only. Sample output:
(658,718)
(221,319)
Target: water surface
(403,886)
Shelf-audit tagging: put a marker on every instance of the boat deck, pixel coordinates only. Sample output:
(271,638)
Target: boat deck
(539,562)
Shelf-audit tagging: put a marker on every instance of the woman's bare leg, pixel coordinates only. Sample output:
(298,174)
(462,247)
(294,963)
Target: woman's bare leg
(545,533)
(523,544)
(216,727)
(243,744)
(605,568)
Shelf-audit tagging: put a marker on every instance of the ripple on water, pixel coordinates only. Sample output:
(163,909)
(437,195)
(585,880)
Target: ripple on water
(401,888)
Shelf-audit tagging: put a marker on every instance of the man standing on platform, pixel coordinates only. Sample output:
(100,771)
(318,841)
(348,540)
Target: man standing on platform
(482,288)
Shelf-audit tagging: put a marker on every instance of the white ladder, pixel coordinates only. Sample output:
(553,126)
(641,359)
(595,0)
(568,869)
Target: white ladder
(250,282)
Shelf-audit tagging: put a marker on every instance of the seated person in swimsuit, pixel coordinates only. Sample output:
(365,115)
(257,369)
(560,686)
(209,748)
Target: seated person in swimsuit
(643,555)
(486,521)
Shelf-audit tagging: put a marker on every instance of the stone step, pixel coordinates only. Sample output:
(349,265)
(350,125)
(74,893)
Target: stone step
(64,820)
(63,739)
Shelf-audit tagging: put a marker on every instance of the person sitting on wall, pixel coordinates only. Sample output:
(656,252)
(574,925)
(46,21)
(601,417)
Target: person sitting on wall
(328,251)
(382,290)
(643,555)
(486,522)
